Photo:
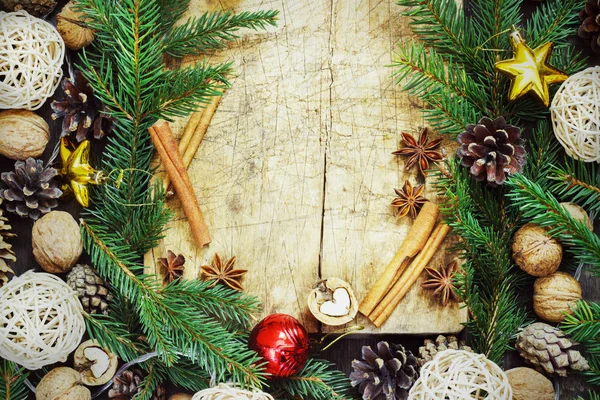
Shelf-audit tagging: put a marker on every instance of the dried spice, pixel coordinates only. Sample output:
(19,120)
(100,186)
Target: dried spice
(172,266)
(420,152)
(441,282)
(409,200)
(224,273)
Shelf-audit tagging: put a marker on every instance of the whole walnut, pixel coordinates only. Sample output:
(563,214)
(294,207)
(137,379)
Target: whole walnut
(535,252)
(56,241)
(578,213)
(528,384)
(62,383)
(23,134)
(554,295)
(71,25)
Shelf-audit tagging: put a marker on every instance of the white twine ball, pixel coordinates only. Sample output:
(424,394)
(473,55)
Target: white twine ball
(31,58)
(461,375)
(224,391)
(576,115)
(41,320)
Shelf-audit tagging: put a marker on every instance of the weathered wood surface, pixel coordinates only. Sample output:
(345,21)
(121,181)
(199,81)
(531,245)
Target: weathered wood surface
(295,174)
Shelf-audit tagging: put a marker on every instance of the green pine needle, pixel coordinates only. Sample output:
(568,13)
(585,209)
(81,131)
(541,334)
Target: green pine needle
(12,381)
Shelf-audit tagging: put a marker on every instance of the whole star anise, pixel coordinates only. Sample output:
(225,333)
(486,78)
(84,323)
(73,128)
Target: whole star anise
(419,152)
(409,200)
(224,273)
(441,282)
(172,266)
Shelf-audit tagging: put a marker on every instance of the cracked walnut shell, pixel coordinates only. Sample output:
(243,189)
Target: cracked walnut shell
(71,25)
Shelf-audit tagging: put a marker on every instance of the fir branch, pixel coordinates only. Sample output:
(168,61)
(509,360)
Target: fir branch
(210,30)
(171,12)
(543,154)
(155,376)
(316,381)
(12,381)
(187,375)
(115,336)
(552,21)
(578,182)
(583,325)
(542,208)
(591,396)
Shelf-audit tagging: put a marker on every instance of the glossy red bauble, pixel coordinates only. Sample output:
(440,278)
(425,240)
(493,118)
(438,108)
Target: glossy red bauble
(283,342)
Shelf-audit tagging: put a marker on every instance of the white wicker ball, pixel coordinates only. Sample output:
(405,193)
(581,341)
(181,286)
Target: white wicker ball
(224,391)
(461,375)
(41,320)
(576,115)
(31,58)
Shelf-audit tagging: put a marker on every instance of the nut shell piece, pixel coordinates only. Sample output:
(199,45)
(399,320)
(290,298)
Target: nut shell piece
(333,302)
(70,24)
(535,252)
(554,295)
(56,240)
(528,384)
(23,134)
(62,383)
(96,365)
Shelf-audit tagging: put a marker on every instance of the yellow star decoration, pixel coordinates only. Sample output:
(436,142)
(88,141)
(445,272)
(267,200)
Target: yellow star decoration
(77,172)
(529,70)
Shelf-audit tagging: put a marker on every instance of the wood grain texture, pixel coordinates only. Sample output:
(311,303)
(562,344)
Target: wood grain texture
(295,175)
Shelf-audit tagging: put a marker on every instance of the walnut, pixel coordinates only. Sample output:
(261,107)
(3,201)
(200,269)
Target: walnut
(56,241)
(578,213)
(181,396)
(333,302)
(528,384)
(554,295)
(23,134)
(71,25)
(62,383)
(535,252)
(96,364)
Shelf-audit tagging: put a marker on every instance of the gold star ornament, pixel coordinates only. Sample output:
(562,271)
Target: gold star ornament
(76,171)
(529,70)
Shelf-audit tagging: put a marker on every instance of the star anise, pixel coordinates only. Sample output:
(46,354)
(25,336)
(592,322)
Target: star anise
(409,200)
(172,266)
(441,282)
(224,273)
(420,152)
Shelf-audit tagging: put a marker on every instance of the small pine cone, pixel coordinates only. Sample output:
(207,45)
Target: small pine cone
(31,190)
(548,350)
(430,348)
(387,374)
(83,114)
(93,291)
(492,149)
(6,253)
(129,383)
(589,30)
(37,8)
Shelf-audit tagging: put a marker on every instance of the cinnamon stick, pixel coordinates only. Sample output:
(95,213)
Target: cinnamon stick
(410,276)
(166,146)
(192,136)
(414,242)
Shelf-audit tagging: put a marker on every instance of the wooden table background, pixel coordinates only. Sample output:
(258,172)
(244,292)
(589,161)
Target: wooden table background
(355,25)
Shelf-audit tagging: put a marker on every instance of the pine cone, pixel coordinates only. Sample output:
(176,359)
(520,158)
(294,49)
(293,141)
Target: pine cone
(492,149)
(548,350)
(589,29)
(128,384)
(430,348)
(6,253)
(37,8)
(93,291)
(386,375)
(30,190)
(81,111)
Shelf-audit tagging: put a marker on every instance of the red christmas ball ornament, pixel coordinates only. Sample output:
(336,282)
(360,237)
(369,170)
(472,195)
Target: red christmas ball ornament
(283,342)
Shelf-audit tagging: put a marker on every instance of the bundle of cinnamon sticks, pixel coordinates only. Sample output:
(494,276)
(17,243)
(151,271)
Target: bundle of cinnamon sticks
(422,242)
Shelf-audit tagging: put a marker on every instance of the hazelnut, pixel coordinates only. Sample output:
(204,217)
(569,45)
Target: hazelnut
(62,383)
(23,134)
(555,295)
(528,384)
(535,252)
(181,396)
(96,365)
(578,213)
(56,241)
(333,302)
(71,25)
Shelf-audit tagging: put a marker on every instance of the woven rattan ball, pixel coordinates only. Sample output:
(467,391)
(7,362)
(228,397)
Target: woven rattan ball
(41,320)
(576,115)
(461,375)
(31,54)
(224,391)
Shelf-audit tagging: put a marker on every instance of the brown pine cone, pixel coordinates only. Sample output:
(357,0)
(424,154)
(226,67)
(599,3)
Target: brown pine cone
(430,348)
(589,30)
(6,253)
(128,384)
(37,8)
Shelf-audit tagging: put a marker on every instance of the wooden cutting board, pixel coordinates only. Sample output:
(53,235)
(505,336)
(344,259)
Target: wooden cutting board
(295,175)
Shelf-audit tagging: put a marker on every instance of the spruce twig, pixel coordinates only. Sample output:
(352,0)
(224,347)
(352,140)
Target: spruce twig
(12,381)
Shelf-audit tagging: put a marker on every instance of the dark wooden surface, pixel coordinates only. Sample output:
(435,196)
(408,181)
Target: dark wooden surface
(344,351)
